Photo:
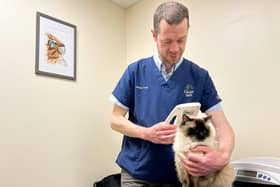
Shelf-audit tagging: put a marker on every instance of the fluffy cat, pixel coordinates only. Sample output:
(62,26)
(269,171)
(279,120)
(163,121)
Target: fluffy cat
(191,132)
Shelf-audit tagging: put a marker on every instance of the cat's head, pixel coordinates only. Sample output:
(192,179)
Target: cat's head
(196,128)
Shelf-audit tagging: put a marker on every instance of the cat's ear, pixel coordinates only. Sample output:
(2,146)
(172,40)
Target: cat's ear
(186,118)
(207,118)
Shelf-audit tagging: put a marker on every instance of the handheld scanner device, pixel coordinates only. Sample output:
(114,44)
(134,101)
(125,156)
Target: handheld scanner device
(190,109)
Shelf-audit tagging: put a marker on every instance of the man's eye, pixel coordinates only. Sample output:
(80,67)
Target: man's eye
(181,41)
(166,41)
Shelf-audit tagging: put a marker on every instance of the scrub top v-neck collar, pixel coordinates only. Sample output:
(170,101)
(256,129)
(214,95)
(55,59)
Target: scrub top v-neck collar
(161,75)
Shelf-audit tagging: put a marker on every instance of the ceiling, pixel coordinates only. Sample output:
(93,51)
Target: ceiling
(125,3)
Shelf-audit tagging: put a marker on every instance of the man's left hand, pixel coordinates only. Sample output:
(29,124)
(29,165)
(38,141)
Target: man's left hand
(203,160)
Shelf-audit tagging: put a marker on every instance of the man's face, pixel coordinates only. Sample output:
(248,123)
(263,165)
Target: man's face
(171,41)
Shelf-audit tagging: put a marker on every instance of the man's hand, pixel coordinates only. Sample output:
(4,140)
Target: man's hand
(160,133)
(211,160)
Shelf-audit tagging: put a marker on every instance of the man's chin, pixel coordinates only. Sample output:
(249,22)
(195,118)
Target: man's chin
(173,60)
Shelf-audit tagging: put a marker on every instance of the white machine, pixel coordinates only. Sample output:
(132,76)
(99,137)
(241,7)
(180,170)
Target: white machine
(258,170)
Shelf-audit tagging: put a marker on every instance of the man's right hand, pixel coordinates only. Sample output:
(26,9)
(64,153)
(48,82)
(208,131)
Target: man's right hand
(160,133)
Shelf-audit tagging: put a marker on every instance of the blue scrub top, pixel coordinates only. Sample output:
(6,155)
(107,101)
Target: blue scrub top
(150,98)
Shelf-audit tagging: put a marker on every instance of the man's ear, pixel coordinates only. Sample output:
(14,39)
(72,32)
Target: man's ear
(154,34)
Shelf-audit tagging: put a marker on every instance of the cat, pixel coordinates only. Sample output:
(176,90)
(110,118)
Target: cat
(191,132)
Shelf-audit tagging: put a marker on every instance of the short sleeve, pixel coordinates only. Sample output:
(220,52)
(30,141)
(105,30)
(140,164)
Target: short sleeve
(124,90)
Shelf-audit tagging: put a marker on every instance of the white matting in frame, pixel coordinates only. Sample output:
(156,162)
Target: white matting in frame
(55,47)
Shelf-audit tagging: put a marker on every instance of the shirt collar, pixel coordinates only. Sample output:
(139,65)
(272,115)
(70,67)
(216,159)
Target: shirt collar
(160,65)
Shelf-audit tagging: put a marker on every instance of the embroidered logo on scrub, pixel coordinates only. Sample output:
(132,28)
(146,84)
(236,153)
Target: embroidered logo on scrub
(188,90)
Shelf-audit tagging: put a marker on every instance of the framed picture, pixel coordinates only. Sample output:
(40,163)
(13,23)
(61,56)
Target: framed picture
(55,47)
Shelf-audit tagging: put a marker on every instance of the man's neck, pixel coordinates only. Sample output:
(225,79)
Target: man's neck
(168,66)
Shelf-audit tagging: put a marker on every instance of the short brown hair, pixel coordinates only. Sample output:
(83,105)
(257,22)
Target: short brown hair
(171,12)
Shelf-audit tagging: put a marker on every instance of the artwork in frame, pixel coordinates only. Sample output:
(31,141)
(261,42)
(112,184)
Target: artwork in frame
(55,47)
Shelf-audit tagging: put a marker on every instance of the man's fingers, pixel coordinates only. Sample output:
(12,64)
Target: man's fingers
(166,132)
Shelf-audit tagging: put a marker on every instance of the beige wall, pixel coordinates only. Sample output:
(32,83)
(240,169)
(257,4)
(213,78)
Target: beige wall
(238,42)
(55,132)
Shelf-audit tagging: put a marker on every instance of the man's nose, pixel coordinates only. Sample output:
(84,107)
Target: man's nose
(174,47)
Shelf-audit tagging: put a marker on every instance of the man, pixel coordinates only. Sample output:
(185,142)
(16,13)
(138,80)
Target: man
(149,89)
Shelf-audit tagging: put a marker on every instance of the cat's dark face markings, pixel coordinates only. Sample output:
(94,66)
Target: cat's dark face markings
(196,128)
(200,131)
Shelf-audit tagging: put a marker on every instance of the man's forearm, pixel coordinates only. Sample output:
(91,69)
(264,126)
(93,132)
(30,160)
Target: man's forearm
(225,133)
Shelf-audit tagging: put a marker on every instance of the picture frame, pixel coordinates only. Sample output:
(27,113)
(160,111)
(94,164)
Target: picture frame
(55,47)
